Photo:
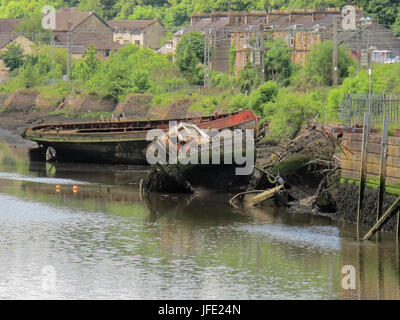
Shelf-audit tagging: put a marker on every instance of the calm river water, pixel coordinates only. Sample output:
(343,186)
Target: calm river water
(104,241)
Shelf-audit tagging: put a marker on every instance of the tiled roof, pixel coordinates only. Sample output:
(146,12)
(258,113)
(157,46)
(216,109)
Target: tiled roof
(7,25)
(5,39)
(85,39)
(131,24)
(68,20)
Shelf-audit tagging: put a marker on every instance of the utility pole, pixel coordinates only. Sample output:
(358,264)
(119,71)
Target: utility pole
(257,51)
(207,59)
(69,58)
(262,53)
(52,50)
(369,75)
(334,55)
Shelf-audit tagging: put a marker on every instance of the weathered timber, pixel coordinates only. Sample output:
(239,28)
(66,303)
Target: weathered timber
(372,158)
(383,219)
(393,150)
(265,195)
(372,168)
(382,180)
(363,169)
(398,225)
(373,138)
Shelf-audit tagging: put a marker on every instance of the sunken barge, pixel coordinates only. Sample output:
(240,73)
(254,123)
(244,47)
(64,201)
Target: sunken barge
(120,142)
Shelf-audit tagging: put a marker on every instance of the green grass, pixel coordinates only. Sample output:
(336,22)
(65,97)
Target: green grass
(164,100)
(291,165)
(68,113)
(374,183)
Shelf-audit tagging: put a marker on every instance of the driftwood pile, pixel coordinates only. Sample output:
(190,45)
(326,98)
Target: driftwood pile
(307,182)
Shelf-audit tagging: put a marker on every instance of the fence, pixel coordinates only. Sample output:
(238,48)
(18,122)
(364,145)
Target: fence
(353,107)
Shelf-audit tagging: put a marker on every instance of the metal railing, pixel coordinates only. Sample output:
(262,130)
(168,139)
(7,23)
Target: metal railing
(353,107)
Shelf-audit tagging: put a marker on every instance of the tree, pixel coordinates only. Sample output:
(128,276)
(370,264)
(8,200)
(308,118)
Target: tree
(384,10)
(248,79)
(86,68)
(319,63)
(189,54)
(396,25)
(264,93)
(13,57)
(278,62)
(32,24)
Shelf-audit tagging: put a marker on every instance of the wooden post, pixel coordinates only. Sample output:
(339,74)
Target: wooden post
(363,169)
(141,190)
(382,220)
(382,180)
(398,226)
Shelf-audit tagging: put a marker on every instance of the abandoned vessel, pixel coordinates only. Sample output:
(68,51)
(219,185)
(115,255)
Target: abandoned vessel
(120,141)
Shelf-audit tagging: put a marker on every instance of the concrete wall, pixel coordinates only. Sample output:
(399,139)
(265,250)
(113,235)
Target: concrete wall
(148,37)
(27,47)
(94,24)
(154,33)
(127,37)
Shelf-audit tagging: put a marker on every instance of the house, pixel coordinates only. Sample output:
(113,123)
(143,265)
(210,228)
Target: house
(77,30)
(218,33)
(167,48)
(146,33)
(7,27)
(300,29)
(26,45)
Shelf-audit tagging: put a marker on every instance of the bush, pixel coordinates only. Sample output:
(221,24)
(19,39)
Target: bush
(318,69)
(265,93)
(288,112)
(13,56)
(278,62)
(247,79)
(239,101)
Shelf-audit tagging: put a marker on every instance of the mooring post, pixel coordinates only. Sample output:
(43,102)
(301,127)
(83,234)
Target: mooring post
(383,219)
(363,169)
(382,178)
(141,190)
(398,226)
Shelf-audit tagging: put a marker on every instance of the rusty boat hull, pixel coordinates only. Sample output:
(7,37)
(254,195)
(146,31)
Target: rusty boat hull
(119,142)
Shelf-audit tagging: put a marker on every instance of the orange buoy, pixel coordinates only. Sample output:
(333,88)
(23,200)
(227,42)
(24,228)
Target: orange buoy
(58,188)
(75,188)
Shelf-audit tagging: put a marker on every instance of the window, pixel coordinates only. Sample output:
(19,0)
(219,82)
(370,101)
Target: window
(291,40)
(106,53)
(137,42)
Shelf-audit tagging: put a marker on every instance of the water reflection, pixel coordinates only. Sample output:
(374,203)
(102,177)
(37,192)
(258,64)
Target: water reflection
(105,241)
